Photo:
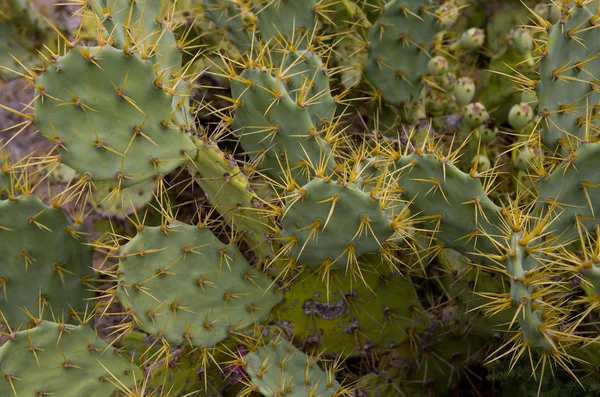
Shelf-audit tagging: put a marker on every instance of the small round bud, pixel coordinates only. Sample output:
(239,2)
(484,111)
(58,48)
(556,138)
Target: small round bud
(520,115)
(522,41)
(464,91)
(488,134)
(447,14)
(448,81)
(475,114)
(483,163)
(437,66)
(524,158)
(472,39)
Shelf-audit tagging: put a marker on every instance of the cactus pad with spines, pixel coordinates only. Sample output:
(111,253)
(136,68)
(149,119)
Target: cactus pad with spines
(572,192)
(308,84)
(568,87)
(285,19)
(183,283)
(376,311)
(334,223)
(456,203)
(109,116)
(269,122)
(229,191)
(42,259)
(279,368)
(399,42)
(226,15)
(63,360)
(109,200)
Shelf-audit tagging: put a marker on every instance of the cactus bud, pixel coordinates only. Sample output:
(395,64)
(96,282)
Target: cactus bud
(448,81)
(475,114)
(522,41)
(520,115)
(464,91)
(447,14)
(472,39)
(483,163)
(437,66)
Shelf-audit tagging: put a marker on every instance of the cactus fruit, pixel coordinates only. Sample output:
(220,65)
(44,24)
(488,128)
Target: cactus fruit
(45,280)
(399,42)
(184,284)
(108,115)
(63,360)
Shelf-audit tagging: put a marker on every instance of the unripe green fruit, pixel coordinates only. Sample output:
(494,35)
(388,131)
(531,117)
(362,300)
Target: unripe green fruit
(464,91)
(447,14)
(472,39)
(475,114)
(522,41)
(488,134)
(520,115)
(483,163)
(437,66)
(523,158)
(448,81)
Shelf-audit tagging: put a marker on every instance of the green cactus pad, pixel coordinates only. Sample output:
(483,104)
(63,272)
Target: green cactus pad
(268,119)
(376,311)
(572,191)
(568,86)
(229,191)
(14,43)
(141,23)
(279,369)
(226,15)
(436,188)
(185,284)
(399,42)
(63,360)
(40,256)
(125,201)
(110,118)
(285,18)
(335,223)
(308,84)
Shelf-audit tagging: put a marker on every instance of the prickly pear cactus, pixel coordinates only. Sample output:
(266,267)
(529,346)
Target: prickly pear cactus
(330,224)
(110,116)
(566,89)
(66,360)
(182,283)
(279,368)
(45,267)
(399,42)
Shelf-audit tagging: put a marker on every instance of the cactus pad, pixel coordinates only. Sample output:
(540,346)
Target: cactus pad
(188,286)
(279,369)
(399,42)
(109,116)
(63,360)
(334,223)
(41,259)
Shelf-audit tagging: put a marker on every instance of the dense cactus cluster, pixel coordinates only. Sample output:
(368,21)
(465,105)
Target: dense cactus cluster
(310,198)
